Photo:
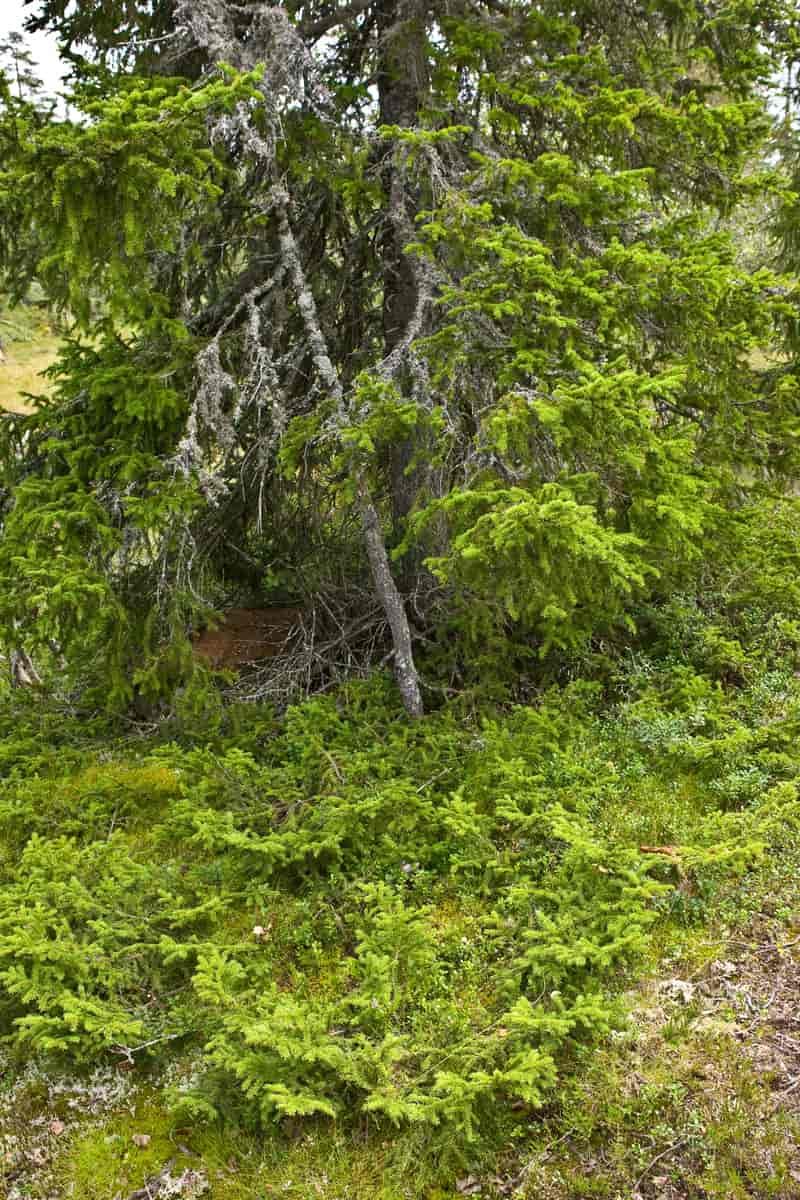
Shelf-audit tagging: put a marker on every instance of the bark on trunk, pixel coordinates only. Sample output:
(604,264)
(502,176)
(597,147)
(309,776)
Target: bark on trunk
(394,608)
(402,86)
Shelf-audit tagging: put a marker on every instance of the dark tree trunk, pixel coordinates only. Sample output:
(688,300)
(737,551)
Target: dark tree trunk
(402,87)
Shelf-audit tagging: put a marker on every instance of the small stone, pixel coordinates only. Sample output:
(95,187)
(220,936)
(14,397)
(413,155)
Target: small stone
(468,1186)
(678,989)
(56,1127)
(142,1140)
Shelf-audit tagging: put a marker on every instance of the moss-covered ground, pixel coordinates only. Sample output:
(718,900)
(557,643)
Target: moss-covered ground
(30,347)
(212,935)
(697,1096)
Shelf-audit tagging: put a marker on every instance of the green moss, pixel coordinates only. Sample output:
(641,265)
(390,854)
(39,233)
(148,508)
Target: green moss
(105,1160)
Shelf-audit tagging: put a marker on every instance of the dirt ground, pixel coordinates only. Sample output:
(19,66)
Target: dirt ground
(21,371)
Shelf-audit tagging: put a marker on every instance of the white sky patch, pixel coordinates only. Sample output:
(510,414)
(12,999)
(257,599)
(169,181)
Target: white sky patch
(43,46)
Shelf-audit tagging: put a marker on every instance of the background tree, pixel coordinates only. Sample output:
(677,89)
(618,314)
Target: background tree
(19,66)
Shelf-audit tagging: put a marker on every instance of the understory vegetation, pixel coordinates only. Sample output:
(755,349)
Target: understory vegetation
(380,950)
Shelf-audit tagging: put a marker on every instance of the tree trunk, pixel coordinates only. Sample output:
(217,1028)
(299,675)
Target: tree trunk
(402,86)
(394,608)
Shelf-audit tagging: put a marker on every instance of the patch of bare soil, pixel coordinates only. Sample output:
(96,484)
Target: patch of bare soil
(698,1100)
(742,1046)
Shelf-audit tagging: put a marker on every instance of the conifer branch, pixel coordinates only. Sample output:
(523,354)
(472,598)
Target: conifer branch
(313,30)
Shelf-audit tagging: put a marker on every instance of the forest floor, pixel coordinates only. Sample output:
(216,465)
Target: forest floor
(697,1097)
(28,352)
(700,1096)
(693,1095)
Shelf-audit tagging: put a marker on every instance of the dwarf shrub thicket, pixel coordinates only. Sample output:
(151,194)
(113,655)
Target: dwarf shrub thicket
(348,916)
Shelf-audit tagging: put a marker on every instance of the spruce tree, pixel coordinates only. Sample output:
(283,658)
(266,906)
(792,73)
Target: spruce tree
(19,66)
(459,273)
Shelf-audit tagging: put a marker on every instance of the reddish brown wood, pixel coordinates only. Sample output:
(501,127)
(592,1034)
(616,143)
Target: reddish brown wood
(247,635)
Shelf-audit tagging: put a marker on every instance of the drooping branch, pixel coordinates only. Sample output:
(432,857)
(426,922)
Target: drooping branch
(289,71)
(313,30)
(378,558)
(255,281)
